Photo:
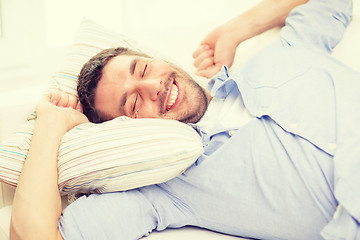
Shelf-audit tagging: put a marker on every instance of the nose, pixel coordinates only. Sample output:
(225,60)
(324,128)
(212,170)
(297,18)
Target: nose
(151,88)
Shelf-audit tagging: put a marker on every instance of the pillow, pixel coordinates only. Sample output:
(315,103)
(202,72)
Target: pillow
(117,155)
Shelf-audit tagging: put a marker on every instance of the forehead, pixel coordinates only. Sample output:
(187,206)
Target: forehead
(114,70)
(117,62)
(111,85)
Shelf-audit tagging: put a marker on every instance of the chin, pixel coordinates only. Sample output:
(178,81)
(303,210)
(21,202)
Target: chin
(195,115)
(187,111)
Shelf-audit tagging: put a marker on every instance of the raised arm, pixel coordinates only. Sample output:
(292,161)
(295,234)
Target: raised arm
(37,204)
(319,24)
(219,46)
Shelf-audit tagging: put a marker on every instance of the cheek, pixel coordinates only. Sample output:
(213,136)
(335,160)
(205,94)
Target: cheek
(148,111)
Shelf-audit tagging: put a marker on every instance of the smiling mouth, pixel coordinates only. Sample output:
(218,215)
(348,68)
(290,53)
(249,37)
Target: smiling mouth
(173,97)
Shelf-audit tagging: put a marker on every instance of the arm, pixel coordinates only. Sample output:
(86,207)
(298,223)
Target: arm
(37,203)
(117,215)
(319,25)
(219,46)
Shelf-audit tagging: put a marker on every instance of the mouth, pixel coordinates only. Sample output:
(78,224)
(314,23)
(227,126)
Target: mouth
(173,98)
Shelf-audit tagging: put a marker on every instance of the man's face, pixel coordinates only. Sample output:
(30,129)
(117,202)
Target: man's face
(140,87)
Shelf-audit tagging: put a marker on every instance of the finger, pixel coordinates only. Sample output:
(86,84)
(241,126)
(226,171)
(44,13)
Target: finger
(200,49)
(63,102)
(54,97)
(72,102)
(202,56)
(207,63)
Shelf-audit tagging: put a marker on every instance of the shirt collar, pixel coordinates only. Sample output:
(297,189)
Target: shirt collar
(221,85)
(219,77)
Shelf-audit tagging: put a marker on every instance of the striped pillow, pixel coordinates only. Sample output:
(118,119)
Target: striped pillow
(113,156)
(117,155)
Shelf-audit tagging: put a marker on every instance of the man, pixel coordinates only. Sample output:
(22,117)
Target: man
(280,141)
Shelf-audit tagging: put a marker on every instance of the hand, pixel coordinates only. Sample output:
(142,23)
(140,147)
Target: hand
(217,49)
(61,110)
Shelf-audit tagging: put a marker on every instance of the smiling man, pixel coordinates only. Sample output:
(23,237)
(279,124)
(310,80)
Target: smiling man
(119,82)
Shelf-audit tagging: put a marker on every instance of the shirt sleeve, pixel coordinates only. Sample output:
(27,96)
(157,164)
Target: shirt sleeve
(125,215)
(319,24)
(120,215)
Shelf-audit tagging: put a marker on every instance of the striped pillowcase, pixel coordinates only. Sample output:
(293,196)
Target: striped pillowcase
(116,155)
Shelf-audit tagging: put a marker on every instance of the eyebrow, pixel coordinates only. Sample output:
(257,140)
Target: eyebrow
(132,66)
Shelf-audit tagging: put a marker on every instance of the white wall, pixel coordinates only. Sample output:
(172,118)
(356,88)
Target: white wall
(35,35)
(36,32)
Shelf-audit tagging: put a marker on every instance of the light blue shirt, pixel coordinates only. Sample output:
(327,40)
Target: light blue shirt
(281,175)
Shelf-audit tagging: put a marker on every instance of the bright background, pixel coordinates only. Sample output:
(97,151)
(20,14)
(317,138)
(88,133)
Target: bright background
(35,32)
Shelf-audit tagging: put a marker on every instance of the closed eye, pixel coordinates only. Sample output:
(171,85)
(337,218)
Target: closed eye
(143,73)
(134,105)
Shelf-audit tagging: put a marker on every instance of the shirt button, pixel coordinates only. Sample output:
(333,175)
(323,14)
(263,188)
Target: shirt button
(332,146)
(231,132)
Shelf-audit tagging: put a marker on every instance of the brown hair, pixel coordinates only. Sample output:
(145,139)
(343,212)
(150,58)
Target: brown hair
(90,75)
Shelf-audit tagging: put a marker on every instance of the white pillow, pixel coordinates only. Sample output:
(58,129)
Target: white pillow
(113,156)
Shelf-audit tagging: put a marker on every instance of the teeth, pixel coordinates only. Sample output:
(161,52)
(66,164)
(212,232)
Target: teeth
(173,96)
